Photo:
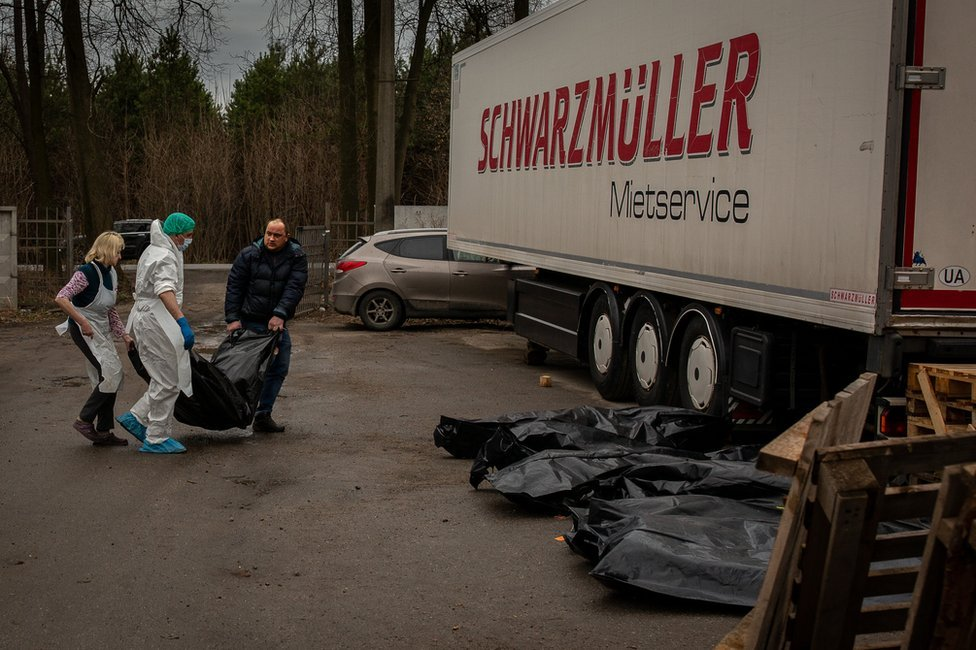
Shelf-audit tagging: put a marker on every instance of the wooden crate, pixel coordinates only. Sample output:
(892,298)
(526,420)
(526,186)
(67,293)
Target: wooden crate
(940,399)
(834,580)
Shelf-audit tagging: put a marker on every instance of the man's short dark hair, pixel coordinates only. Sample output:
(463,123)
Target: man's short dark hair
(281,221)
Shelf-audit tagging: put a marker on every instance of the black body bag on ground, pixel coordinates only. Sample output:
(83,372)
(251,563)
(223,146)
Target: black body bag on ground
(227,387)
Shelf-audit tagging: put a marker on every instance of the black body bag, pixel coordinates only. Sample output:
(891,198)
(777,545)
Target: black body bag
(227,387)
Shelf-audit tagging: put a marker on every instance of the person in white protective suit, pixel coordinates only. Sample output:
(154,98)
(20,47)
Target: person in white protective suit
(89,301)
(162,334)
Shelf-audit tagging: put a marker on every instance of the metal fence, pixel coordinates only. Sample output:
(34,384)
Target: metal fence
(315,240)
(48,250)
(345,232)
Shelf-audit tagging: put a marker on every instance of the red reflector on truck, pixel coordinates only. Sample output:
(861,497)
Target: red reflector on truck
(348,265)
(893,422)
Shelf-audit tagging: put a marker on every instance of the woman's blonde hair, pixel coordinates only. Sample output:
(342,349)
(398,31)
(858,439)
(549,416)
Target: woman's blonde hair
(107,245)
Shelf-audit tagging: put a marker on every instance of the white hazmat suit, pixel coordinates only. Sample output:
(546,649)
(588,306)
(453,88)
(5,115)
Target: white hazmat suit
(157,335)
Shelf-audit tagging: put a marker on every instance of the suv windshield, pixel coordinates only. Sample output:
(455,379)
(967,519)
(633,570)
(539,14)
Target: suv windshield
(131,226)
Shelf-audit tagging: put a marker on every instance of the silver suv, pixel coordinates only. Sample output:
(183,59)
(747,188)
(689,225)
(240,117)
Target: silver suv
(399,274)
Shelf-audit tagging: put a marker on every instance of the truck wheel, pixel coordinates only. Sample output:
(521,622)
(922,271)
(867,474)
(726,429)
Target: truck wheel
(699,370)
(646,350)
(607,361)
(381,311)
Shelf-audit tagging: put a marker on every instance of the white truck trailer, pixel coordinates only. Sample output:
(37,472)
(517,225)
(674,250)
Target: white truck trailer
(727,200)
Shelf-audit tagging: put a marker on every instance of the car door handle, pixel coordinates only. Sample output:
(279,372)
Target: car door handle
(398,270)
(460,273)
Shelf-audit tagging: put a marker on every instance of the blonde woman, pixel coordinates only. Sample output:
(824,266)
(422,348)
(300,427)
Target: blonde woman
(89,301)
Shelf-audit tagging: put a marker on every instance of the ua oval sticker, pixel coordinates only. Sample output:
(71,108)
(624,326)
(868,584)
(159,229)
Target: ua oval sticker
(954,276)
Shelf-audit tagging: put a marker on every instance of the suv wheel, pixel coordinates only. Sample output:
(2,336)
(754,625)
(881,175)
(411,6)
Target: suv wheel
(381,311)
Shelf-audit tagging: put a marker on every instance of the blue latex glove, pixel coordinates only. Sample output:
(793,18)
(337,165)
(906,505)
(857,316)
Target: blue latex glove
(188,338)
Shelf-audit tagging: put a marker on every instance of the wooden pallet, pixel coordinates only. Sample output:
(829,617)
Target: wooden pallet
(829,556)
(941,399)
(944,602)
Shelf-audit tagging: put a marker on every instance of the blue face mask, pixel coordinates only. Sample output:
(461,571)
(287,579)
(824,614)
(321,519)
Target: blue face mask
(186,244)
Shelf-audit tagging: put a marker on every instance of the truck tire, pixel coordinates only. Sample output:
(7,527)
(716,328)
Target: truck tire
(700,368)
(646,351)
(606,356)
(381,311)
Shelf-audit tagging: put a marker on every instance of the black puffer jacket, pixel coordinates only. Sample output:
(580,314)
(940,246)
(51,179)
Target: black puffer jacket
(263,284)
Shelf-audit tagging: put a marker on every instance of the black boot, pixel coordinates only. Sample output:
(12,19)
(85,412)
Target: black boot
(264,424)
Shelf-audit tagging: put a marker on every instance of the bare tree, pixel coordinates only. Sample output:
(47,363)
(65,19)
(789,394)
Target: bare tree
(25,84)
(408,114)
(348,140)
(91,172)
(385,121)
(371,40)
(520,9)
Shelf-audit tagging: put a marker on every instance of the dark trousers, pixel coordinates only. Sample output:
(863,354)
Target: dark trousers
(277,370)
(99,404)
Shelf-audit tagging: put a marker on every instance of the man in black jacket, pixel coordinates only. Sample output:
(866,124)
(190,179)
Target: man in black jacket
(265,285)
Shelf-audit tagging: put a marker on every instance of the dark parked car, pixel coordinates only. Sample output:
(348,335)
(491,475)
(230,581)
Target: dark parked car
(397,274)
(135,232)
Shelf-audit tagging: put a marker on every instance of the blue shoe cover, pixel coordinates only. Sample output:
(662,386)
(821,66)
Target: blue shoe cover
(131,424)
(168,446)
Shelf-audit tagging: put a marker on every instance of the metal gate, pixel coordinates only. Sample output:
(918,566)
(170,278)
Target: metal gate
(315,242)
(47,250)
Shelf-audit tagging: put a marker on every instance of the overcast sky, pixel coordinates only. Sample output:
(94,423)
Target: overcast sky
(245,40)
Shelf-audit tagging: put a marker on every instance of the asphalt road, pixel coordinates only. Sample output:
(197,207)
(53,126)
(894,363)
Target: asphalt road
(348,530)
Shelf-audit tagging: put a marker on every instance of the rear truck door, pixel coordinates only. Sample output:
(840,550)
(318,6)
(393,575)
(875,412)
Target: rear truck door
(940,192)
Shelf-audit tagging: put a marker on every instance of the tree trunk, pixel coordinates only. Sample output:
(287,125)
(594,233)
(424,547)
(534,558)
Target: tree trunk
(35,15)
(385,121)
(371,36)
(409,114)
(91,179)
(26,87)
(348,151)
(521,9)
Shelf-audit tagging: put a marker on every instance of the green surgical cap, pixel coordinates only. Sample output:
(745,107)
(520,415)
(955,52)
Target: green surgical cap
(178,223)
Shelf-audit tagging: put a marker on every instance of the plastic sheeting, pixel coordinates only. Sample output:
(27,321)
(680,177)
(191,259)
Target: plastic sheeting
(659,501)
(500,442)
(700,547)
(227,387)
(553,479)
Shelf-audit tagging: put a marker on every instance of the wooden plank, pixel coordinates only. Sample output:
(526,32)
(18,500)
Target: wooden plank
(945,594)
(847,493)
(909,501)
(773,604)
(885,582)
(736,638)
(779,456)
(932,402)
(768,629)
(878,645)
(897,546)
(907,456)
(889,617)
(855,400)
